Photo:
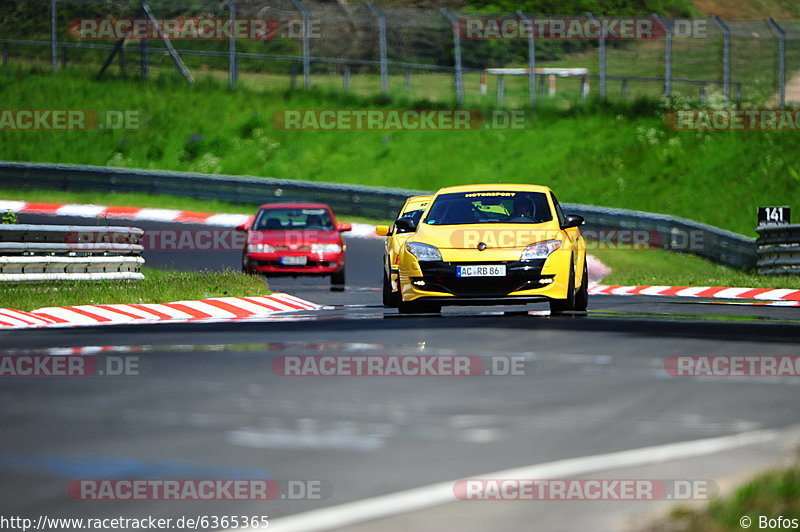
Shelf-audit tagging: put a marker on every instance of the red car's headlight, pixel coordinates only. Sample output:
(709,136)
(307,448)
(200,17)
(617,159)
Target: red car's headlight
(326,248)
(260,248)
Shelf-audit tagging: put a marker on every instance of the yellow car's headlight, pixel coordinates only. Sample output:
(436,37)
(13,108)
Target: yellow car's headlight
(423,252)
(540,250)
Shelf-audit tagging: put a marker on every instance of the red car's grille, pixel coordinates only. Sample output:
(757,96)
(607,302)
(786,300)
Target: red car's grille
(287,248)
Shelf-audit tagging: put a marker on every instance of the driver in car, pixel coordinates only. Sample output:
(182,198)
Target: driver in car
(524,210)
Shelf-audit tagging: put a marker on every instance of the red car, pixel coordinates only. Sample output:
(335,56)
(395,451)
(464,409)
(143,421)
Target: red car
(295,239)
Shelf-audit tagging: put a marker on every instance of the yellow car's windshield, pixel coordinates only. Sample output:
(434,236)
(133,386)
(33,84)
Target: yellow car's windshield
(492,206)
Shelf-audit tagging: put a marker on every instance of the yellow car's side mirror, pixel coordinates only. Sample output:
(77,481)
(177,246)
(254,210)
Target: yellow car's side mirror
(382,230)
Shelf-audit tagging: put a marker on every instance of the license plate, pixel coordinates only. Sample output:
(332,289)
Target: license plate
(481,271)
(294,261)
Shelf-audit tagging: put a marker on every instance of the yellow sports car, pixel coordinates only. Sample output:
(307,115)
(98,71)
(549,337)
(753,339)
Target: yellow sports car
(492,244)
(412,208)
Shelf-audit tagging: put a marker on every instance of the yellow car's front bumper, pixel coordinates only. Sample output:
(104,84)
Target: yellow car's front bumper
(525,281)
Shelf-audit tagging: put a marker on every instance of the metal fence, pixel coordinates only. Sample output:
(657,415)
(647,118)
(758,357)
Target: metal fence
(69,253)
(778,249)
(669,232)
(367,48)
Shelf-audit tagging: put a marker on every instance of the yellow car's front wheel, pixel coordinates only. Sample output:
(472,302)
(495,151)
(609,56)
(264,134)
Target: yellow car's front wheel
(416,307)
(582,297)
(390,297)
(576,300)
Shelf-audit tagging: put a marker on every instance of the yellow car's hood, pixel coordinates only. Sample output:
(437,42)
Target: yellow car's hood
(502,241)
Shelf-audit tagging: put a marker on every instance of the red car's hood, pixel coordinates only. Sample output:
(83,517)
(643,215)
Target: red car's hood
(294,238)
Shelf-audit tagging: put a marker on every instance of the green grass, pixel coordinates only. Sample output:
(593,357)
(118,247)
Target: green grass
(661,267)
(619,156)
(123,199)
(771,494)
(155,201)
(157,287)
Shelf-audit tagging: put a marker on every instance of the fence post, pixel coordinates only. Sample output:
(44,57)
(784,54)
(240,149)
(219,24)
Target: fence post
(5,54)
(54,34)
(382,46)
(531,61)
(781,61)
(501,89)
(408,79)
(667,55)
(347,77)
(306,44)
(144,52)
(143,49)
(702,93)
(726,57)
(459,79)
(601,57)
(624,88)
(179,64)
(233,63)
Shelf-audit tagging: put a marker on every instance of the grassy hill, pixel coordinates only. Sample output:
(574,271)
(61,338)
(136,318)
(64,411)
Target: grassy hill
(621,156)
(749,9)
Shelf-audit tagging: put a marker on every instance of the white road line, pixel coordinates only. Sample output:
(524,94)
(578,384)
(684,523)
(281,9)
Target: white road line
(80,210)
(289,298)
(692,291)
(12,206)
(139,313)
(211,310)
(653,290)
(19,322)
(105,313)
(778,293)
(66,313)
(622,290)
(227,220)
(352,513)
(164,308)
(731,293)
(158,215)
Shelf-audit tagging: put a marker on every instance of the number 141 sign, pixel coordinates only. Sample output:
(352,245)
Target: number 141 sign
(774,215)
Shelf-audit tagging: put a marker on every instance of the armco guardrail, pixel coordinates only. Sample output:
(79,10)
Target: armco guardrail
(674,233)
(669,232)
(372,202)
(69,253)
(778,249)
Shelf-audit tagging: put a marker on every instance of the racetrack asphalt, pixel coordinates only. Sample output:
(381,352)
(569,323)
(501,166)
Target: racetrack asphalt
(207,405)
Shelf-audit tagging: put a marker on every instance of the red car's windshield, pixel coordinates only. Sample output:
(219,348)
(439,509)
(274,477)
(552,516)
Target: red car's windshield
(300,218)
